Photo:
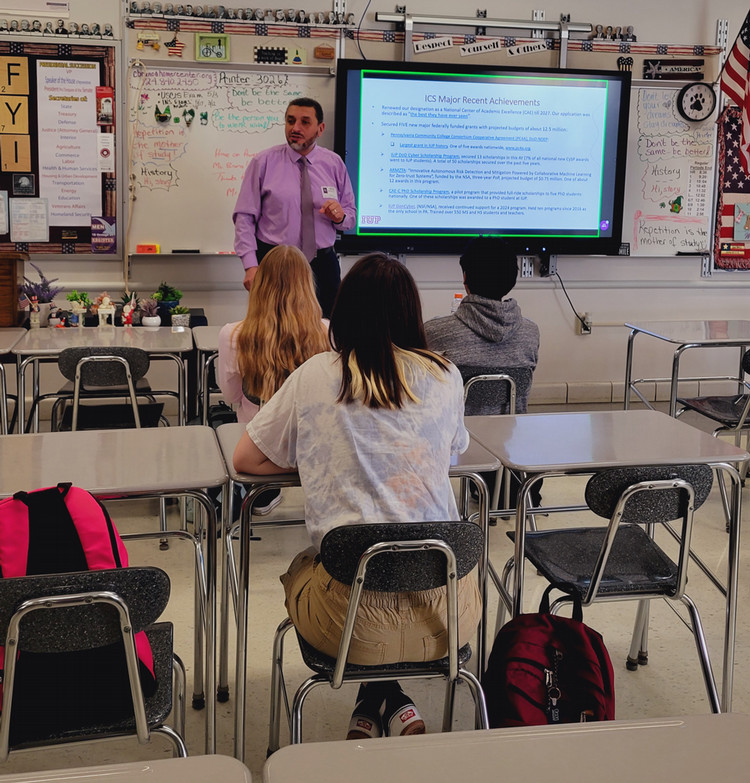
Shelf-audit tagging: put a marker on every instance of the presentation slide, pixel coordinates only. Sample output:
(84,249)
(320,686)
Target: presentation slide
(482,154)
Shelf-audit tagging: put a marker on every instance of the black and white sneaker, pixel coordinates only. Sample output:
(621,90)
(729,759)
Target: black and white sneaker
(266,502)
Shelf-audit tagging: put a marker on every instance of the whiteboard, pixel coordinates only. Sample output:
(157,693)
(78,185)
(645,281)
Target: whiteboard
(669,179)
(185,177)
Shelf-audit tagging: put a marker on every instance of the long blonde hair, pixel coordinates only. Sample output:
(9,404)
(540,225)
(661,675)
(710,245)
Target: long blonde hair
(283,327)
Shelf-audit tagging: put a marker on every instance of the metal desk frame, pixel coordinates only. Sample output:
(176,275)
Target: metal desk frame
(49,345)
(560,444)
(674,332)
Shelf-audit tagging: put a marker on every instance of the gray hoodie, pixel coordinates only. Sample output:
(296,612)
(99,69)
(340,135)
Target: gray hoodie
(486,335)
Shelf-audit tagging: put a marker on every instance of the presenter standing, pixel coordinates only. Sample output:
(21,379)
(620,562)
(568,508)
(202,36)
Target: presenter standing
(296,194)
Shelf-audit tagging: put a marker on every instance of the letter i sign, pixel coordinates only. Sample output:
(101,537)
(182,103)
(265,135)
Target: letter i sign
(15,142)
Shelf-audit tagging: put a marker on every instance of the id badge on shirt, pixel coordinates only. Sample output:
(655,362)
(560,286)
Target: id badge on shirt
(329,191)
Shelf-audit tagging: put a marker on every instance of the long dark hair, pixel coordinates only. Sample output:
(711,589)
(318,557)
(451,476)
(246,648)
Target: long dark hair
(376,324)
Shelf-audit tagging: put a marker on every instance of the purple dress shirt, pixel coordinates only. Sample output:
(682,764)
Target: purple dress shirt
(269,202)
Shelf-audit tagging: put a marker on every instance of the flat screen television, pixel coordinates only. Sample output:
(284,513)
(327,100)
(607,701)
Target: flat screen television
(440,153)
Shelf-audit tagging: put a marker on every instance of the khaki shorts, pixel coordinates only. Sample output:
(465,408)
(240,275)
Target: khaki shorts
(390,627)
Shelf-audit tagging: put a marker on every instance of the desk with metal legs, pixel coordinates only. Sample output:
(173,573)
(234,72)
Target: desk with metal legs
(8,338)
(194,769)
(206,340)
(179,461)
(160,342)
(686,335)
(556,444)
(693,749)
(469,465)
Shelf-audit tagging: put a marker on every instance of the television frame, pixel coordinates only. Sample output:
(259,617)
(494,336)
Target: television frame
(422,241)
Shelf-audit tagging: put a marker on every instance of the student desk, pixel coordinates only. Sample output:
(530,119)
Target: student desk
(179,461)
(8,338)
(194,769)
(160,342)
(685,335)
(692,749)
(206,340)
(476,459)
(555,444)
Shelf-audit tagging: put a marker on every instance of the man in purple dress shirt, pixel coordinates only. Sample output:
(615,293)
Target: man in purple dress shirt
(268,209)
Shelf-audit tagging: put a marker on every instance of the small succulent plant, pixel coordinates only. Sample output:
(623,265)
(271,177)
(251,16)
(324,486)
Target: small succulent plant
(148,307)
(179,310)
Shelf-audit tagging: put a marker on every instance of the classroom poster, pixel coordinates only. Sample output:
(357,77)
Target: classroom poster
(69,176)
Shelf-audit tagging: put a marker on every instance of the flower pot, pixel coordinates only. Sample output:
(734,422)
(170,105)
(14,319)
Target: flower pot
(181,319)
(150,320)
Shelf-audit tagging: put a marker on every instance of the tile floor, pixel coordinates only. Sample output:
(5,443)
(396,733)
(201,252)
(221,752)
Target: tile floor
(670,685)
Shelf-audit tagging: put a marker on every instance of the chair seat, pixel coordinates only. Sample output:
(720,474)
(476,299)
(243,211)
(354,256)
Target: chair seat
(725,410)
(142,386)
(324,664)
(110,417)
(635,565)
(158,706)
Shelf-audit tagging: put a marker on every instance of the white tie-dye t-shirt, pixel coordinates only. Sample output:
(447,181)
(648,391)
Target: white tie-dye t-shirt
(360,464)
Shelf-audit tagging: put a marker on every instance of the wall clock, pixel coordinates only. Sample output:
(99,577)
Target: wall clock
(696,102)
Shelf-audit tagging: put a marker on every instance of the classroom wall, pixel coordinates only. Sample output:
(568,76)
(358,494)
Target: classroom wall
(613,290)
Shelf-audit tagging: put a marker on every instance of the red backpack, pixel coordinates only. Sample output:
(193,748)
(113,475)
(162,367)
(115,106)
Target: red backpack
(57,530)
(548,669)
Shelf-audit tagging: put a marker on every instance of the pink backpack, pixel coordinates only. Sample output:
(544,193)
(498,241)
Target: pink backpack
(57,530)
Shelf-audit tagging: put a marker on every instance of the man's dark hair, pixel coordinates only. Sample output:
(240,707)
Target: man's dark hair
(309,103)
(490,267)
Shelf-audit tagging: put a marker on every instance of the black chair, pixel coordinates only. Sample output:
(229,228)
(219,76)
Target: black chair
(103,373)
(730,412)
(496,393)
(496,389)
(732,415)
(622,560)
(75,614)
(410,556)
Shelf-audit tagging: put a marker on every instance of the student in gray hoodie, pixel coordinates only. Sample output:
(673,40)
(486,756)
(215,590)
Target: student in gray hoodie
(487,333)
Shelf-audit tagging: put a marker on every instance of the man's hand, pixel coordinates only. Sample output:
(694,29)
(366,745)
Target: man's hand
(333,211)
(249,277)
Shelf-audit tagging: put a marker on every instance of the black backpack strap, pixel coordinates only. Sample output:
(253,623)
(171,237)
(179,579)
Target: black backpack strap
(568,589)
(54,545)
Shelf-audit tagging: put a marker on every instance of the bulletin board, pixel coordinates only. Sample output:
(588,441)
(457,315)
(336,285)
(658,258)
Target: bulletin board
(670,175)
(58,177)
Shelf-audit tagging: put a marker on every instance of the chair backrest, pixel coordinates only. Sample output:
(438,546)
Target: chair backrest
(746,361)
(490,398)
(605,488)
(145,590)
(103,373)
(343,546)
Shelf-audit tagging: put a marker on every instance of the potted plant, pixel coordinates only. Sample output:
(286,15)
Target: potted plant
(44,292)
(149,312)
(168,297)
(180,315)
(80,303)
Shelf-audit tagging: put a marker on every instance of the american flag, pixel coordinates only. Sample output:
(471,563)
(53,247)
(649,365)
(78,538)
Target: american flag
(734,82)
(734,194)
(175,46)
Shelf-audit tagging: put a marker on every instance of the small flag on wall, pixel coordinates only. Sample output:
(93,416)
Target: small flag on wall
(175,46)
(734,82)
